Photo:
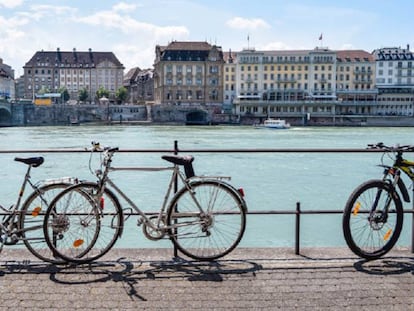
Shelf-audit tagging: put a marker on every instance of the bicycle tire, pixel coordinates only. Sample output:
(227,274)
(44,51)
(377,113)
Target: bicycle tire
(220,228)
(367,236)
(82,242)
(32,217)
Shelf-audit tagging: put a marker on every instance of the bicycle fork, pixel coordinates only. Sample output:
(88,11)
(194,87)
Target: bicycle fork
(378,216)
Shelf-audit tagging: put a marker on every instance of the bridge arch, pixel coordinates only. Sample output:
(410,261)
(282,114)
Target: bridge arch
(197,117)
(5,115)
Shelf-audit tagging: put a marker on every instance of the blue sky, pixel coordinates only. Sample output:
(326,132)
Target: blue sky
(132,29)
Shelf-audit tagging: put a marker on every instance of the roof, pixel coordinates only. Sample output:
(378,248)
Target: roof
(187,51)
(86,59)
(189,45)
(354,56)
(394,54)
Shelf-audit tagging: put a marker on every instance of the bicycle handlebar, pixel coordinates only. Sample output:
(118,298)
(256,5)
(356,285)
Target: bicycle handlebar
(97,147)
(396,148)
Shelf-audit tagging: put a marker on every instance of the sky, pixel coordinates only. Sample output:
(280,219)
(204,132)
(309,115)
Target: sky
(132,29)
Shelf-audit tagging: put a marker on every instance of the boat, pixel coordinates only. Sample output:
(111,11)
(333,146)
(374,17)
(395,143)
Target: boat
(274,124)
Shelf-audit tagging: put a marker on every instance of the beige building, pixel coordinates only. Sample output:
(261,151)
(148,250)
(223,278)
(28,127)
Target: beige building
(51,70)
(355,82)
(270,83)
(189,73)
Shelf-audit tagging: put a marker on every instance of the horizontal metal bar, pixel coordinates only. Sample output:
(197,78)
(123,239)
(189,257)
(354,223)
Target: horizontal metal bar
(245,150)
(266,212)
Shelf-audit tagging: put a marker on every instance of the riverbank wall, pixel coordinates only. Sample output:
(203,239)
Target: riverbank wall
(32,115)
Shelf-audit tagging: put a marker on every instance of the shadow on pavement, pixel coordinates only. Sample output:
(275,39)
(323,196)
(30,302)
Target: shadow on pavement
(386,266)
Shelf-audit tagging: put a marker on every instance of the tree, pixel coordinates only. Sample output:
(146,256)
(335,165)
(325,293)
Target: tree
(43,90)
(83,95)
(101,92)
(121,94)
(64,94)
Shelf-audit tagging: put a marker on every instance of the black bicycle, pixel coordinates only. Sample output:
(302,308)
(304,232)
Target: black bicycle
(373,215)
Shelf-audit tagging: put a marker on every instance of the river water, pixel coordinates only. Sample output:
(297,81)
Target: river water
(271,181)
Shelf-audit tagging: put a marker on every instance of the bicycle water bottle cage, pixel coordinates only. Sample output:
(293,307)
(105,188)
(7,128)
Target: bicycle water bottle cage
(35,161)
(186,161)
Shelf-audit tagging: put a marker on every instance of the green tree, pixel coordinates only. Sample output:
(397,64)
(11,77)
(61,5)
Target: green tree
(101,92)
(121,94)
(43,91)
(64,94)
(83,95)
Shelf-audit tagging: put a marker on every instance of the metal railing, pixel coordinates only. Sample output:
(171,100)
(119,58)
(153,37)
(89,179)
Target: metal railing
(297,212)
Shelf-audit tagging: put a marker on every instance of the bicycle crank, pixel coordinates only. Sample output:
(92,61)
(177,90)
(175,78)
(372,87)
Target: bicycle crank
(150,232)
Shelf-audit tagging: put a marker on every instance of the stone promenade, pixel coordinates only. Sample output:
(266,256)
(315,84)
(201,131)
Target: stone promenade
(247,279)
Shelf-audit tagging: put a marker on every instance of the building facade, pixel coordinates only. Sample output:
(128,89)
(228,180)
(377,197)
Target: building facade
(395,81)
(270,83)
(140,85)
(188,72)
(52,70)
(7,89)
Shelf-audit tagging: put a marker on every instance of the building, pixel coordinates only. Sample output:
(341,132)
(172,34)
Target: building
(395,81)
(286,82)
(229,80)
(7,89)
(140,85)
(188,72)
(355,82)
(75,70)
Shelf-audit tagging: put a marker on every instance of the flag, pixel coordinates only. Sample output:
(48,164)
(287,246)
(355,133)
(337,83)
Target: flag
(320,37)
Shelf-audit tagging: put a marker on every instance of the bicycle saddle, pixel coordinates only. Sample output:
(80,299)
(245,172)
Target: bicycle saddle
(179,160)
(34,161)
(182,160)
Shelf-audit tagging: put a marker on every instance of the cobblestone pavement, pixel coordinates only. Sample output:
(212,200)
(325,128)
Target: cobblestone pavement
(249,279)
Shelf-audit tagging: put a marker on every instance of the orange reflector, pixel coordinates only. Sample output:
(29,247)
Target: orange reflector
(36,211)
(387,234)
(356,208)
(78,243)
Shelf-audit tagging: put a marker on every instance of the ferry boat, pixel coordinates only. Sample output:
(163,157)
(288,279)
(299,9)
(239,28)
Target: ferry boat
(274,124)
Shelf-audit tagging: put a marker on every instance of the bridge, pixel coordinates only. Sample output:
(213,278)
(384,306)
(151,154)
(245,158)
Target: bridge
(5,114)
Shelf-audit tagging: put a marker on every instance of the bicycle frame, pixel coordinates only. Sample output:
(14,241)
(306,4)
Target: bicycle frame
(400,164)
(104,180)
(12,213)
(8,223)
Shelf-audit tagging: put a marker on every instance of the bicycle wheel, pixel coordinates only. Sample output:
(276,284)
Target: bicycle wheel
(371,235)
(32,218)
(79,227)
(208,221)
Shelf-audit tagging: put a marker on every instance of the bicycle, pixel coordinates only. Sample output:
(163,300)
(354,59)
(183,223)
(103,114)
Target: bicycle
(205,219)
(373,215)
(24,221)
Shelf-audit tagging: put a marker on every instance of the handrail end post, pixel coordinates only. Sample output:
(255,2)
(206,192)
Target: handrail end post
(297,235)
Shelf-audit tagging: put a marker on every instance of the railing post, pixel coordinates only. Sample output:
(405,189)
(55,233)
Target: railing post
(175,191)
(297,235)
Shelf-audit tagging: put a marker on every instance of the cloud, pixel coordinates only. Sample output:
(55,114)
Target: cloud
(10,4)
(245,23)
(124,7)
(128,25)
(37,12)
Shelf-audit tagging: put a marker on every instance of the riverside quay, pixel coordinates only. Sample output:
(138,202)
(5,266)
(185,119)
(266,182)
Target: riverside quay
(199,83)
